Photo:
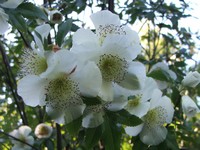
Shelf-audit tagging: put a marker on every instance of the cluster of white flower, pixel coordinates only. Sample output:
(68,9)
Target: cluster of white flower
(99,65)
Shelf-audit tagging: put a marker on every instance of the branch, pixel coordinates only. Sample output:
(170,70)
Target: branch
(18,140)
(111,5)
(12,84)
(59,137)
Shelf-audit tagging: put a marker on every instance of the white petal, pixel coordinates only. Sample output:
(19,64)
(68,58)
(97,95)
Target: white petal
(3,21)
(135,77)
(192,79)
(155,98)
(149,86)
(56,115)
(139,110)
(166,103)
(24,130)
(32,89)
(104,17)
(92,120)
(153,136)
(134,131)
(89,79)
(117,104)
(30,140)
(162,84)
(11,3)
(106,92)
(189,107)
(82,36)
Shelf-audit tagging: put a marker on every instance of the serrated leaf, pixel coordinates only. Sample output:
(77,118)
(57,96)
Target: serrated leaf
(74,126)
(92,136)
(124,117)
(29,10)
(111,135)
(63,29)
(159,74)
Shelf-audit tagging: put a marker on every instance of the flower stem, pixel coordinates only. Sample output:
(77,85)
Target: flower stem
(59,137)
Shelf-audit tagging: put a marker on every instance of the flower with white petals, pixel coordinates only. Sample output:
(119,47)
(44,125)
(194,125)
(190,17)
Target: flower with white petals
(23,134)
(138,102)
(55,16)
(189,106)
(112,49)
(43,130)
(192,79)
(162,66)
(152,130)
(59,88)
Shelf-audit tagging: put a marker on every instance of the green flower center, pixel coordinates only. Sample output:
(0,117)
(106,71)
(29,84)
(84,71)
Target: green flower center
(32,63)
(62,92)
(113,68)
(155,117)
(134,102)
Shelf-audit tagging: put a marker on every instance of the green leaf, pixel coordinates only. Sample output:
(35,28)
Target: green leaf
(91,101)
(124,117)
(63,29)
(138,145)
(159,74)
(112,134)
(92,136)
(17,20)
(74,126)
(31,11)
(49,144)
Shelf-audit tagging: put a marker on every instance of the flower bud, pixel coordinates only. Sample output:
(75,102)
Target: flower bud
(189,107)
(43,131)
(192,79)
(55,16)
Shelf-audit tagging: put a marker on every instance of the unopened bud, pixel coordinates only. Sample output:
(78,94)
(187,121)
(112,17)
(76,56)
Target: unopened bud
(43,131)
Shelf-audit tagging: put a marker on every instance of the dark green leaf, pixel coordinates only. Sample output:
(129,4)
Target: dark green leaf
(124,117)
(49,144)
(91,101)
(31,11)
(63,29)
(74,126)
(159,74)
(92,136)
(138,145)
(112,134)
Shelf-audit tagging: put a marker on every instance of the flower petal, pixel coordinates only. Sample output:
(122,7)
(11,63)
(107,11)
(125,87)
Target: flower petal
(106,92)
(24,130)
(135,76)
(117,104)
(92,120)
(155,98)
(104,17)
(134,131)
(89,79)
(32,89)
(56,115)
(153,136)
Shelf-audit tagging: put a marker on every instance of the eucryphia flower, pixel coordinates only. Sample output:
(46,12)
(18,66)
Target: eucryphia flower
(23,134)
(138,101)
(162,66)
(4,17)
(152,130)
(192,79)
(112,51)
(43,130)
(60,88)
(55,16)
(189,107)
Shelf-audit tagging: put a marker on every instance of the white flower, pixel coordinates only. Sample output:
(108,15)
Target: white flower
(23,134)
(152,130)
(192,79)
(60,88)
(112,49)
(138,103)
(55,16)
(189,107)
(162,66)
(3,21)
(11,3)
(43,130)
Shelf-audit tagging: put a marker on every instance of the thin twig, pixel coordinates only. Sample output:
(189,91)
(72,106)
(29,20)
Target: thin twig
(59,137)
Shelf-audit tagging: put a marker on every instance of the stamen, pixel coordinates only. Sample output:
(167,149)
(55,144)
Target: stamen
(155,117)
(113,68)
(62,92)
(32,63)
